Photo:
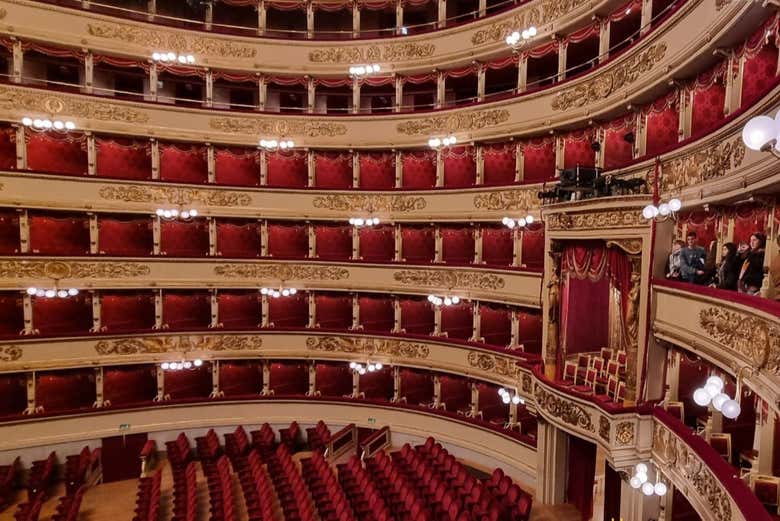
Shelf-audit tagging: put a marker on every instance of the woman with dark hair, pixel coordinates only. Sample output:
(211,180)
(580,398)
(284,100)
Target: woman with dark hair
(729,267)
(752,273)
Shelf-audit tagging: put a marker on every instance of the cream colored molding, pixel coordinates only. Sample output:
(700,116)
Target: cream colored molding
(590,217)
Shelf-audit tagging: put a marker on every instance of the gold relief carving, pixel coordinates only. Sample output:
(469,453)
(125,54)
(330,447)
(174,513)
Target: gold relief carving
(596,220)
(3,13)
(449,279)
(527,384)
(278,127)
(459,122)
(370,203)
(71,270)
(178,344)
(506,200)
(10,353)
(171,195)
(152,38)
(280,272)
(754,338)
(567,411)
(497,364)
(604,428)
(630,246)
(701,165)
(373,53)
(536,15)
(369,346)
(720,4)
(19,98)
(624,433)
(607,82)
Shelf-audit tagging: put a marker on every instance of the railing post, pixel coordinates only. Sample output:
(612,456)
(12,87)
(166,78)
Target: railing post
(21,147)
(97,312)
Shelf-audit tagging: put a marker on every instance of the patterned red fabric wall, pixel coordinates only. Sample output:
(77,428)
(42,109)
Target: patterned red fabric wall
(11,314)
(416,316)
(288,240)
(456,320)
(748,219)
(123,158)
(495,324)
(123,312)
(333,242)
(418,244)
(493,409)
(663,123)
(377,170)
(539,160)
(419,169)
(184,239)
(129,384)
(13,388)
(377,385)
(189,383)
(332,170)
(185,310)
(497,246)
(125,235)
(758,74)
(334,311)
(457,244)
(290,311)
(7,148)
(240,377)
(183,163)
(460,167)
(65,390)
(239,309)
(287,169)
(238,238)
(455,393)
(705,224)
(377,313)
(289,378)
(617,151)
(707,109)
(59,234)
(334,379)
(377,243)
(530,331)
(416,386)
(63,316)
(9,232)
(533,246)
(499,164)
(57,152)
(577,149)
(237,166)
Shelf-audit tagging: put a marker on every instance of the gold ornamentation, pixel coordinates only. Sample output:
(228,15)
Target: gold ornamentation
(3,13)
(370,203)
(567,411)
(280,272)
(449,279)
(630,246)
(178,42)
(16,98)
(620,218)
(367,346)
(604,428)
(535,14)
(520,199)
(178,344)
(10,353)
(496,364)
(702,165)
(755,338)
(459,122)
(527,385)
(33,269)
(278,127)
(172,195)
(373,53)
(607,82)
(624,433)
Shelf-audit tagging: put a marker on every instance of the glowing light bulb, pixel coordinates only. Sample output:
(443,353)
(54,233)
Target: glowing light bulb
(197,362)
(73,292)
(701,397)
(69,125)
(371,368)
(185,214)
(40,293)
(193,212)
(731,409)
(447,301)
(641,468)
(521,222)
(642,477)
(675,205)
(32,291)
(62,293)
(27,121)
(293,291)
(376,221)
(648,489)
(455,300)
(159,212)
(285,292)
(165,365)
(264,291)
(505,398)
(660,489)
(664,209)
(156,56)
(516,399)
(50,293)
(352,365)
(529,219)
(187,364)
(634,482)
(171,56)
(378,366)
(716,381)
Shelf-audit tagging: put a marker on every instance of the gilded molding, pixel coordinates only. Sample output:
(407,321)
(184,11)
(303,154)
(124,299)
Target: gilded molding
(527,384)
(373,53)
(460,122)
(10,353)
(449,279)
(173,195)
(701,165)
(497,364)
(624,433)
(280,272)
(278,127)
(178,42)
(568,411)
(619,218)
(630,246)
(536,15)
(178,344)
(605,427)
(3,13)
(607,82)
(32,269)
(369,346)
(370,203)
(755,338)
(521,199)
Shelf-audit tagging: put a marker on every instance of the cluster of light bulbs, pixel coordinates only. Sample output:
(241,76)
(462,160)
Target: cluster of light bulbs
(652,211)
(184,364)
(360,221)
(639,480)
(508,397)
(762,132)
(51,293)
(364,70)
(443,301)
(166,57)
(510,222)
(514,38)
(370,367)
(273,144)
(276,293)
(176,214)
(46,124)
(436,142)
(712,393)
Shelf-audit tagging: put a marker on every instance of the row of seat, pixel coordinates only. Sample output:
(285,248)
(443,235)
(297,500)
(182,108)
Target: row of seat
(329,497)
(208,446)
(185,491)
(78,467)
(69,505)
(290,489)
(30,510)
(258,490)
(219,477)
(318,436)
(9,476)
(42,475)
(363,494)
(147,499)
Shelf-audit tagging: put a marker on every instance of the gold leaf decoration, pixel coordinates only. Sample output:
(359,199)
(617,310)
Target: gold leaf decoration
(605,83)
(630,246)
(605,428)
(172,195)
(373,53)
(34,269)
(280,272)
(624,433)
(754,338)
(449,279)
(619,218)
(567,411)
(496,364)
(368,346)
(370,203)
(278,127)
(458,122)
(178,344)
(520,199)
(10,353)
(702,165)
(3,13)
(536,14)
(527,385)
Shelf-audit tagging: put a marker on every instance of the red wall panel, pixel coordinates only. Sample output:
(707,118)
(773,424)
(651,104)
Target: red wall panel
(184,239)
(377,243)
(416,316)
(416,386)
(185,310)
(456,320)
(239,309)
(125,235)
(183,163)
(238,239)
(333,242)
(290,311)
(123,158)
(56,152)
(65,390)
(59,234)
(127,311)
(499,164)
(332,170)
(334,311)
(377,313)
(287,169)
(377,170)
(13,388)
(237,166)
(418,244)
(63,316)
(419,169)
(334,379)
(189,383)
(289,378)
(11,314)
(129,384)
(9,233)
(457,244)
(497,246)
(240,377)
(288,240)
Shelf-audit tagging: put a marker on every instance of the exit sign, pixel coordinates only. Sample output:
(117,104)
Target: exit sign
(124,426)
(372,421)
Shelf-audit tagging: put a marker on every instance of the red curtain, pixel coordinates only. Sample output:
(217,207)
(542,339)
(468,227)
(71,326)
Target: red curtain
(289,378)
(749,219)
(577,149)
(586,298)
(288,240)
(377,170)
(334,379)
(238,238)
(709,96)
(617,151)
(455,393)
(377,243)
(332,170)
(334,311)
(582,472)
(460,167)
(758,74)
(287,169)
(7,148)
(533,246)
(333,242)
(377,385)
(129,384)
(60,235)
(125,236)
(416,387)
(65,390)
(189,383)
(239,309)
(377,313)
(240,377)
(124,312)
(539,160)
(530,331)
(12,313)
(418,245)
(10,241)
(495,324)
(237,166)
(185,310)
(457,245)
(416,316)
(499,164)
(13,388)
(419,169)
(704,224)
(183,164)
(292,312)
(56,152)
(457,320)
(497,246)
(493,409)
(662,125)
(123,158)
(184,239)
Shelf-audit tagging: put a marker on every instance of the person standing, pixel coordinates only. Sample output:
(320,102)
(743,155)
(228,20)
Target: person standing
(729,268)
(692,260)
(752,273)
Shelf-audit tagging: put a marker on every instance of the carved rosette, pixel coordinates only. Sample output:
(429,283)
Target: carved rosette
(370,203)
(754,338)
(536,14)
(567,411)
(280,272)
(172,195)
(373,53)
(624,433)
(10,353)
(178,344)
(618,218)
(604,428)
(449,279)
(460,122)
(496,364)
(279,127)
(27,269)
(368,346)
(520,199)
(16,98)
(701,165)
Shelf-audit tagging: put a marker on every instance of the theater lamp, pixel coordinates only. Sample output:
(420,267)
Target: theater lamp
(361,221)
(443,301)
(507,397)
(712,394)
(511,222)
(369,367)
(364,70)
(761,133)
(52,292)
(277,293)
(640,481)
(172,57)
(47,124)
(183,364)
(172,214)
(663,211)
(517,38)
(442,142)
(273,144)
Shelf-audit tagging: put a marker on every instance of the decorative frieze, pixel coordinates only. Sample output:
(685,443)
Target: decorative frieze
(368,346)
(605,428)
(286,272)
(173,195)
(373,53)
(458,122)
(699,166)
(370,203)
(520,199)
(496,364)
(536,14)
(449,279)
(617,218)
(624,433)
(178,344)
(18,98)
(33,269)
(566,410)
(10,353)
(278,127)
(754,338)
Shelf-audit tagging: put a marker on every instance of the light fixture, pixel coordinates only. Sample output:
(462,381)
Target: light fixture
(404,30)
(761,133)
(663,211)
(711,393)
(443,301)
(278,292)
(172,57)
(442,142)
(181,364)
(368,367)
(511,222)
(640,481)
(52,292)
(273,144)
(172,214)
(361,221)
(517,37)
(507,397)
(364,70)
(47,124)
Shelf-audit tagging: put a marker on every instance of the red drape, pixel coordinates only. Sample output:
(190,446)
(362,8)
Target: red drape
(289,378)
(416,316)
(662,125)
(124,312)
(184,239)
(11,311)
(9,233)
(499,164)
(495,324)
(577,149)
(748,219)
(333,170)
(758,74)
(56,152)
(189,383)
(290,311)
(288,240)
(333,242)
(185,310)
(123,158)
(377,243)
(13,388)
(582,472)
(457,245)
(65,390)
(377,170)
(416,387)
(377,385)
(236,166)
(125,236)
(418,245)
(457,320)
(334,311)
(704,224)
(183,164)
(238,238)
(60,235)
(497,246)
(287,169)
(419,169)
(7,148)
(455,393)
(129,384)
(460,167)
(240,377)
(377,313)
(539,160)
(533,246)
(334,379)
(239,309)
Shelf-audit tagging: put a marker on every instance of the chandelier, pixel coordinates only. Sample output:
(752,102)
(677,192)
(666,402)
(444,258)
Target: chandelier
(508,397)
(364,70)
(183,214)
(280,292)
(360,221)
(369,367)
(273,144)
(166,57)
(516,37)
(712,394)
(761,133)
(640,480)
(443,301)
(663,211)
(52,292)
(436,142)
(182,364)
(511,222)
(46,124)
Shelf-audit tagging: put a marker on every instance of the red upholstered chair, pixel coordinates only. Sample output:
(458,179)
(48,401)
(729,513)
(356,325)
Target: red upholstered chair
(570,372)
(606,354)
(621,392)
(721,442)
(767,490)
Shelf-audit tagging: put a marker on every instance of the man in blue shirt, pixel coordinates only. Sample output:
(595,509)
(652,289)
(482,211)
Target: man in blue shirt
(692,259)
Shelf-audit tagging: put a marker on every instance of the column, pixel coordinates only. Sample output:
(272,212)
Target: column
(24,231)
(519,162)
(599,483)
(29,326)
(156,233)
(151,9)
(396,384)
(158,310)
(209,15)
(355,384)
(89,72)
(474,406)
(214,301)
(672,375)
(437,321)
(514,342)
(438,243)
(263,167)
(17,63)
(264,311)
(733,82)
(312,310)
(399,243)
(211,163)
(604,35)
(309,20)
(93,234)
(312,253)
(355,243)
(399,17)
(647,16)
(562,50)
(442,14)
(439,168)
(97,325)
(397,315)
(261,18)
(215,392)
(476,324)
(640,136)
(21,148)
(355,20)
(441,85)
(522,73)
(98,388)
(153,82)
(600,139)
(551,455)
(355,169)
(91,154)
(399,92)
(481,70)
(264,238)
(262,92)
(355,312)
(355,94)
(482,9)
(312,379)
(31,406)
(478,245)
(559,151)
(686,112)
(512,421)
(399,169)
(764,438)
(311,92)
(266,390)
(310,164)
(436,392)
(160,384)
(155,158)
(480,159)
(209,85)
